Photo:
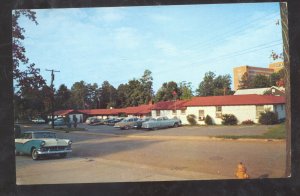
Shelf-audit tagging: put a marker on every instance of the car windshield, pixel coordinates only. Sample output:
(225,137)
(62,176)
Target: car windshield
(44,135)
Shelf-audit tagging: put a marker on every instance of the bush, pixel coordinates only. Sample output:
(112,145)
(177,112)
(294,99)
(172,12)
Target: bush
(268,118)
(229,119)
(191,118)
(248,122)
(208,120)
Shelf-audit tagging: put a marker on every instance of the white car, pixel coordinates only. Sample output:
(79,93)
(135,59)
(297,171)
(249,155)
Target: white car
(38,120)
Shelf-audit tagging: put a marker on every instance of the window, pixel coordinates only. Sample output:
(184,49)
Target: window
(259,109)
(182,111)
(174,112)
(157,112)
(218,111)
(201,115)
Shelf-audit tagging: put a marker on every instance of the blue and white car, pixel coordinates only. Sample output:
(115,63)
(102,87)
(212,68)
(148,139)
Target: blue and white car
(161,122)
(42,143)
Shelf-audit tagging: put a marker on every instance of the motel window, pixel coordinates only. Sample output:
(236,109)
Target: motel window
(218,111)
(157,112)
(182,111)
(174,112)
(201,115)
(259,109)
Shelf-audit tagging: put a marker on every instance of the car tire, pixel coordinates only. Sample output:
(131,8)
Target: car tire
(175,125)
(34,154)
(126,127)
(17,153)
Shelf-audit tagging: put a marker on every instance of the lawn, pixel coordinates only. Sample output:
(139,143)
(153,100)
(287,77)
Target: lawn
(275,132)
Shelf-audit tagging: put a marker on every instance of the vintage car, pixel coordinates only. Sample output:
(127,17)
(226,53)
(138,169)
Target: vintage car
(42,143)
(138,124)
(161,122)
(94,121)
(58,122)
(38,120)
(126,123)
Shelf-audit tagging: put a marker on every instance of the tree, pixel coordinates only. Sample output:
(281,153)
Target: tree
(30,77)
(133,94)
(213,86)
(146,89)
(122,92)
(167,92)
(107,95)
(245,81)
(93,96)
(78,95)
(206,87)
(62,97)
(260,81)
(185,90)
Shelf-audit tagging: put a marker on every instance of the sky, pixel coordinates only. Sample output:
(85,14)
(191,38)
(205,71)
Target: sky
(176,43)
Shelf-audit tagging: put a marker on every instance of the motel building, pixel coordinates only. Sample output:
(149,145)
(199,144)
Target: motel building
(243,107)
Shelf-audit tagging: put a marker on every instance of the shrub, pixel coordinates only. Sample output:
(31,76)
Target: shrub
(248,122)
(191,118)
(268,118)
(229,119)
(208,120)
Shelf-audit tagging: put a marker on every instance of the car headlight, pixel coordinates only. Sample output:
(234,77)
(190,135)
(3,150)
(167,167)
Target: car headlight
(69,143)
(43,143)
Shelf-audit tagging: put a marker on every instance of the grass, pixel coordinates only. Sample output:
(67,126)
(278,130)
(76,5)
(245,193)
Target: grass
(275,132)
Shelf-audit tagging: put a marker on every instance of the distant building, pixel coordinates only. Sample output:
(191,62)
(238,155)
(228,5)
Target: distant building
(238,73)
(274,90)
(276,66)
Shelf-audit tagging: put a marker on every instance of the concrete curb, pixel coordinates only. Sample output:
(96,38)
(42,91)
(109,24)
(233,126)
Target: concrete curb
(172,137)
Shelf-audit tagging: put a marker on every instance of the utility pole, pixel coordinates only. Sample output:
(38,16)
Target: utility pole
(52,97)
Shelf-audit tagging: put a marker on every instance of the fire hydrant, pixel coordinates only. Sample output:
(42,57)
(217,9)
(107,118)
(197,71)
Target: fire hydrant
(241,172)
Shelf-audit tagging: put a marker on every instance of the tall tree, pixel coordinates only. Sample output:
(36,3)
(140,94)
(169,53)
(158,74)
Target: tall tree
(30,76)
(260,81)
(62,98)
(206,87)
(185,90)
(78,95)
(107,95)
(93,96)
(134,95)
(122,93)
(168,91)
(212,85)
(146,87)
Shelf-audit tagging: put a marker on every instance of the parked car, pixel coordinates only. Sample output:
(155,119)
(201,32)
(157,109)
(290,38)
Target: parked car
(94,121)
(138,124)
(38,120)
(58,122)
(42,143)
(126,123)
(112,121)
(161,122)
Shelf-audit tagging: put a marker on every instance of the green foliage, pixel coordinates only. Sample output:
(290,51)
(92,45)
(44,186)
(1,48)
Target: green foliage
(245,82)
(191,118)
(268,118)
(229,119)
(208,120)
(165,93)
(213,86)
(185,89)
(248,122)
(260,81)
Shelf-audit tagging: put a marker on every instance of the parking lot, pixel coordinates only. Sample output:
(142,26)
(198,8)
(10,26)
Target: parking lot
(107,154)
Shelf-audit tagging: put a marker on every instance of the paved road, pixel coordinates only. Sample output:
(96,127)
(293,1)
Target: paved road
(100,157)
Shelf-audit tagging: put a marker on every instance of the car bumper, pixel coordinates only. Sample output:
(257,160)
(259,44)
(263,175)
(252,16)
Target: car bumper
(54,151)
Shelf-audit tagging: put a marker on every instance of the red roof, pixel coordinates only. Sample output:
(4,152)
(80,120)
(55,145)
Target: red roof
(236,100)
(142,109)
(170,105)
(62,112)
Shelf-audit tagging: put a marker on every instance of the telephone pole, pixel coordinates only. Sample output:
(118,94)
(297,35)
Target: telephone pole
(52,97)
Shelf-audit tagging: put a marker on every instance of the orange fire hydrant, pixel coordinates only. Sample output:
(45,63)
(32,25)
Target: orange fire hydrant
(241,172)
